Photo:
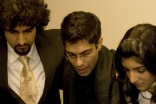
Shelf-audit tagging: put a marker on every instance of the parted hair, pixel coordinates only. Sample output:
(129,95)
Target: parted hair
(138,41)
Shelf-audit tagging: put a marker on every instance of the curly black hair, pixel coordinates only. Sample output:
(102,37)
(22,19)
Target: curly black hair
(32,13)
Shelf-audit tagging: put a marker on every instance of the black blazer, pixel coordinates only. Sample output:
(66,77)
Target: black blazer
(51,51)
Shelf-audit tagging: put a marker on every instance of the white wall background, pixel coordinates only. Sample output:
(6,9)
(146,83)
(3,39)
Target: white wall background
(116,15)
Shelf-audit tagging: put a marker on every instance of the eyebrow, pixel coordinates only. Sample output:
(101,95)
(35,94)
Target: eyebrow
(139,67)
(11,29)
(30,28)
(81,52)
(135,68)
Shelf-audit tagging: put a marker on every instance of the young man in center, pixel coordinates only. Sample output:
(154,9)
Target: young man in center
(89,76)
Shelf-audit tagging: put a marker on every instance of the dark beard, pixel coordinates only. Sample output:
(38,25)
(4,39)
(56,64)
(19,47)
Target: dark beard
(22,51)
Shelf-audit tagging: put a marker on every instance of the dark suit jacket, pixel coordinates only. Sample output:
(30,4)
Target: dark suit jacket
(51,52)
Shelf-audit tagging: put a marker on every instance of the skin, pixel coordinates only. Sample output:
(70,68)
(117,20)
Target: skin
(83,66)
(21,38)
(138,74)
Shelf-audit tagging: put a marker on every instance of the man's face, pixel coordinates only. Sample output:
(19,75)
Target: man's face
(83,56)
(21,38)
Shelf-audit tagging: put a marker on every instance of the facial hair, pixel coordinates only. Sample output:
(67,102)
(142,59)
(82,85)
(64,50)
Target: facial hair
(22,49)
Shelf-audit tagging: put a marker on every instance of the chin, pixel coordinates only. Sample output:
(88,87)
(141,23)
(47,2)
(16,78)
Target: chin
(141,89)
(84,74)
(24,52)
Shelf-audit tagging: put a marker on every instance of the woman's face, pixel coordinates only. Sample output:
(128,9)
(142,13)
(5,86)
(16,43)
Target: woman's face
(137,73)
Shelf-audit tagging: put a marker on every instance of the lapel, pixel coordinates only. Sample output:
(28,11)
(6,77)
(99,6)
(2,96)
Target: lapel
(3,71)
(3,64)
(47,55)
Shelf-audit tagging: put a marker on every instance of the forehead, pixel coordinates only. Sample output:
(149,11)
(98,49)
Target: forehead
(78,47)
(131,62)
(19,28)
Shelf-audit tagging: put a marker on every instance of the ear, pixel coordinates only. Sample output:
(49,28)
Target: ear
(99,44)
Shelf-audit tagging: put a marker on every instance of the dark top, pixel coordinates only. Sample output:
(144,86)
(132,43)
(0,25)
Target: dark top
(104,85)
(84,89)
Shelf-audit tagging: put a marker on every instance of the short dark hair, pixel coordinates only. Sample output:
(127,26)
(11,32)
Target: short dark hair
(138,41)
(80,25)
(32,13)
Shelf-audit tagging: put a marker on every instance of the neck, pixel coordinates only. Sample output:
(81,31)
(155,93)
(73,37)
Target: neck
(152,87)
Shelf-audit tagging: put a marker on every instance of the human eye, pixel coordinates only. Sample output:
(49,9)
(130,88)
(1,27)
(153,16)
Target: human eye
(28,31)
(141,70)
(13,32)
(71,55)
(85,54)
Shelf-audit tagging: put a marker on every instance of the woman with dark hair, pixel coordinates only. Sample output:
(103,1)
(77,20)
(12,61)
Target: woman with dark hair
(136,64)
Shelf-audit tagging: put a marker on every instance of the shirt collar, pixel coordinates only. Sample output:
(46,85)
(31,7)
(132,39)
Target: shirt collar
(33,53)
(144,95)
(12,55)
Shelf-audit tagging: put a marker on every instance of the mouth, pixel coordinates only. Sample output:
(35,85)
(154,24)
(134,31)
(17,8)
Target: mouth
(82,70)
(22,47)
(138,84)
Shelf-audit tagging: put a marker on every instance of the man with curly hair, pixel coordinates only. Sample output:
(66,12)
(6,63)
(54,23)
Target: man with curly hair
(22,33)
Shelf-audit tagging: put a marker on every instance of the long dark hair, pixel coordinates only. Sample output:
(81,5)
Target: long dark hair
(138,41)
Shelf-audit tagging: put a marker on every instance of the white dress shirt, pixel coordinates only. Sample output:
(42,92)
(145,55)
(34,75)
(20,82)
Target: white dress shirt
(15,67)
(145,97)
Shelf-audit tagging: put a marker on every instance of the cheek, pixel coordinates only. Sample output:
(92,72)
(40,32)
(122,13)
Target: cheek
(31,38)
(9,38)
(12,41)
(93,61)
(149,79)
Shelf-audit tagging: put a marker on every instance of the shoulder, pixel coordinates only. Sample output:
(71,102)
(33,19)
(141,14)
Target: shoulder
(69,70)
(106,54)
(105,49)
(52,36)
(3,41)
(51,33)
(106,62)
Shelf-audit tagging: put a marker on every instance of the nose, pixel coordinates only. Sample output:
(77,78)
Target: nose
(79,61)
(21,39)
(133,77)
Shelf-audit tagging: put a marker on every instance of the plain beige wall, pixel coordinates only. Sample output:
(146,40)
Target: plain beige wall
(116,15)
